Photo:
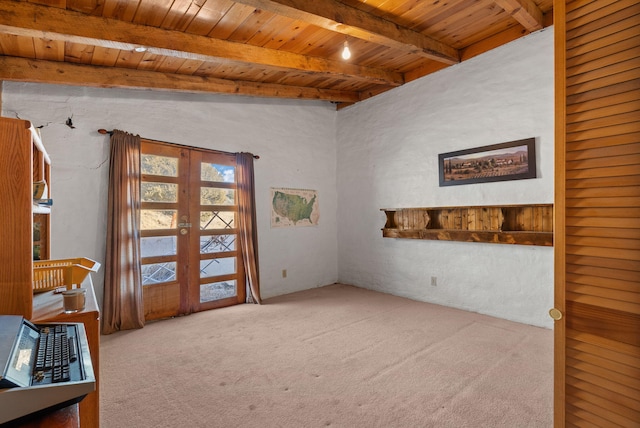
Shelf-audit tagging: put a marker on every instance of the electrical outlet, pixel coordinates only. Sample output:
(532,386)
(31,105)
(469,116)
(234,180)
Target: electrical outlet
(284,273)
(434,281)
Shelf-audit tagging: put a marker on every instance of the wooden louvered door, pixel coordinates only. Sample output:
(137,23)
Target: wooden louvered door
(597,335)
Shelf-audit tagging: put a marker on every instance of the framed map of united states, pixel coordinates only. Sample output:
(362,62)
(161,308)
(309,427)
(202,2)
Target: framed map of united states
(294,207)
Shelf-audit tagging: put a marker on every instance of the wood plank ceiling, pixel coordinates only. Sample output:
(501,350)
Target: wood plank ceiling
(266,48)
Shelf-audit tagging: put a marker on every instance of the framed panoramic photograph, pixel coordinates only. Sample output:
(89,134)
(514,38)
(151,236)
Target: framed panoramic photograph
(515,160)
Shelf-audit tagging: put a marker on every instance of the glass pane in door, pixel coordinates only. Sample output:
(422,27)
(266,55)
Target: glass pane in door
(217,291)
(217,267)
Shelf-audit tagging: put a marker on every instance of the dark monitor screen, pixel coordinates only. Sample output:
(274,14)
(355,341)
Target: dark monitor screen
(22,359)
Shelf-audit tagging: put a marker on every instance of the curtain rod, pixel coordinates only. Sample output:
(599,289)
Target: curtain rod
(105,132)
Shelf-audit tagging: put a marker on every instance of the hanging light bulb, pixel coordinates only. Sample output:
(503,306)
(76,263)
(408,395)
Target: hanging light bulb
(346,53)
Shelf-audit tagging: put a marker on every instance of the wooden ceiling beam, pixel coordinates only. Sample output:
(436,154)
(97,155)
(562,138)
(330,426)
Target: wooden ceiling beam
(30,70)
(31,20)
(524,11)
(335,16)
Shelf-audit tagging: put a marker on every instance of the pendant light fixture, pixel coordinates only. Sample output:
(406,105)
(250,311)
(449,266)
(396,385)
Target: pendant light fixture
(346,53)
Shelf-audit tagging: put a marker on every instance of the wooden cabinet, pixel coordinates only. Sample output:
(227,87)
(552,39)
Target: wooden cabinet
(23,160)
(501,224)
(48,308)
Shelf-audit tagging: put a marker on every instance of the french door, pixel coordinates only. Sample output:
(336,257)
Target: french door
(190,249)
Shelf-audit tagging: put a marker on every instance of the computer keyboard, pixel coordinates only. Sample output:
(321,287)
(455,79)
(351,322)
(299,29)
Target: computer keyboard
(42,367)
(56,350)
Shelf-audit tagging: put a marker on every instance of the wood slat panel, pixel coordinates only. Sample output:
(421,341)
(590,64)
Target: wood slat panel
(603,232)
(578,366)
(602,46)
(609,401)
(611,355)
(628,394)
(208,16)
(610,292)
(604,182)
(612,418)
(621,117)
(588,260)
(610,56)
(120,9)
(612,213)
(604,222)
(180,15)
(605,132)
(601,151)
(50,50)
(605,343)
(580,418)
(610,16)
(151,12)
(626,405)
(251,26)
(603,146)
(604,70)
(614,201)
(613,171)
(580,9)
(602,302)
(228,24)
(604,162)
(607,253)
(615,88)
(604,242)
(602,272)
(596,39)
(613,319)
(17,45)
(612,109)
(604,83)
(104,56)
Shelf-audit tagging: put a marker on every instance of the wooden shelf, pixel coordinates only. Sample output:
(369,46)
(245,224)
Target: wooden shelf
(499,224)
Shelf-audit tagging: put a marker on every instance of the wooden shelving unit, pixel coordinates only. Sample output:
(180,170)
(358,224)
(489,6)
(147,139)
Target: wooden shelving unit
(500,224)
(23,160)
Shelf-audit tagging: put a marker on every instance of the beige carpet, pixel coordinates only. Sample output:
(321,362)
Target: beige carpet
(333,356)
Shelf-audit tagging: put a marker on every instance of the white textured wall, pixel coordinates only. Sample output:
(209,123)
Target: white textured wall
(295,141)
(388,150)
(380,153)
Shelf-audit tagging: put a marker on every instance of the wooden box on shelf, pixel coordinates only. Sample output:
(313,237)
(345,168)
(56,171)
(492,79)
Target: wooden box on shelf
(530,224)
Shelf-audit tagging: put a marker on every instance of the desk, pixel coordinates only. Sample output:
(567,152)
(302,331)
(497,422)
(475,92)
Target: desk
(47,307)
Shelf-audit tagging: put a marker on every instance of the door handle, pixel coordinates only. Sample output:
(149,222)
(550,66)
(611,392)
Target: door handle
(555,314)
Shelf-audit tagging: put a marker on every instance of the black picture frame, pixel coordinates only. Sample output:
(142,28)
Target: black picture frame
(514,160)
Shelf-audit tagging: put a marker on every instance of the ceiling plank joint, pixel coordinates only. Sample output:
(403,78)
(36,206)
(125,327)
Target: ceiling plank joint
(525,12)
